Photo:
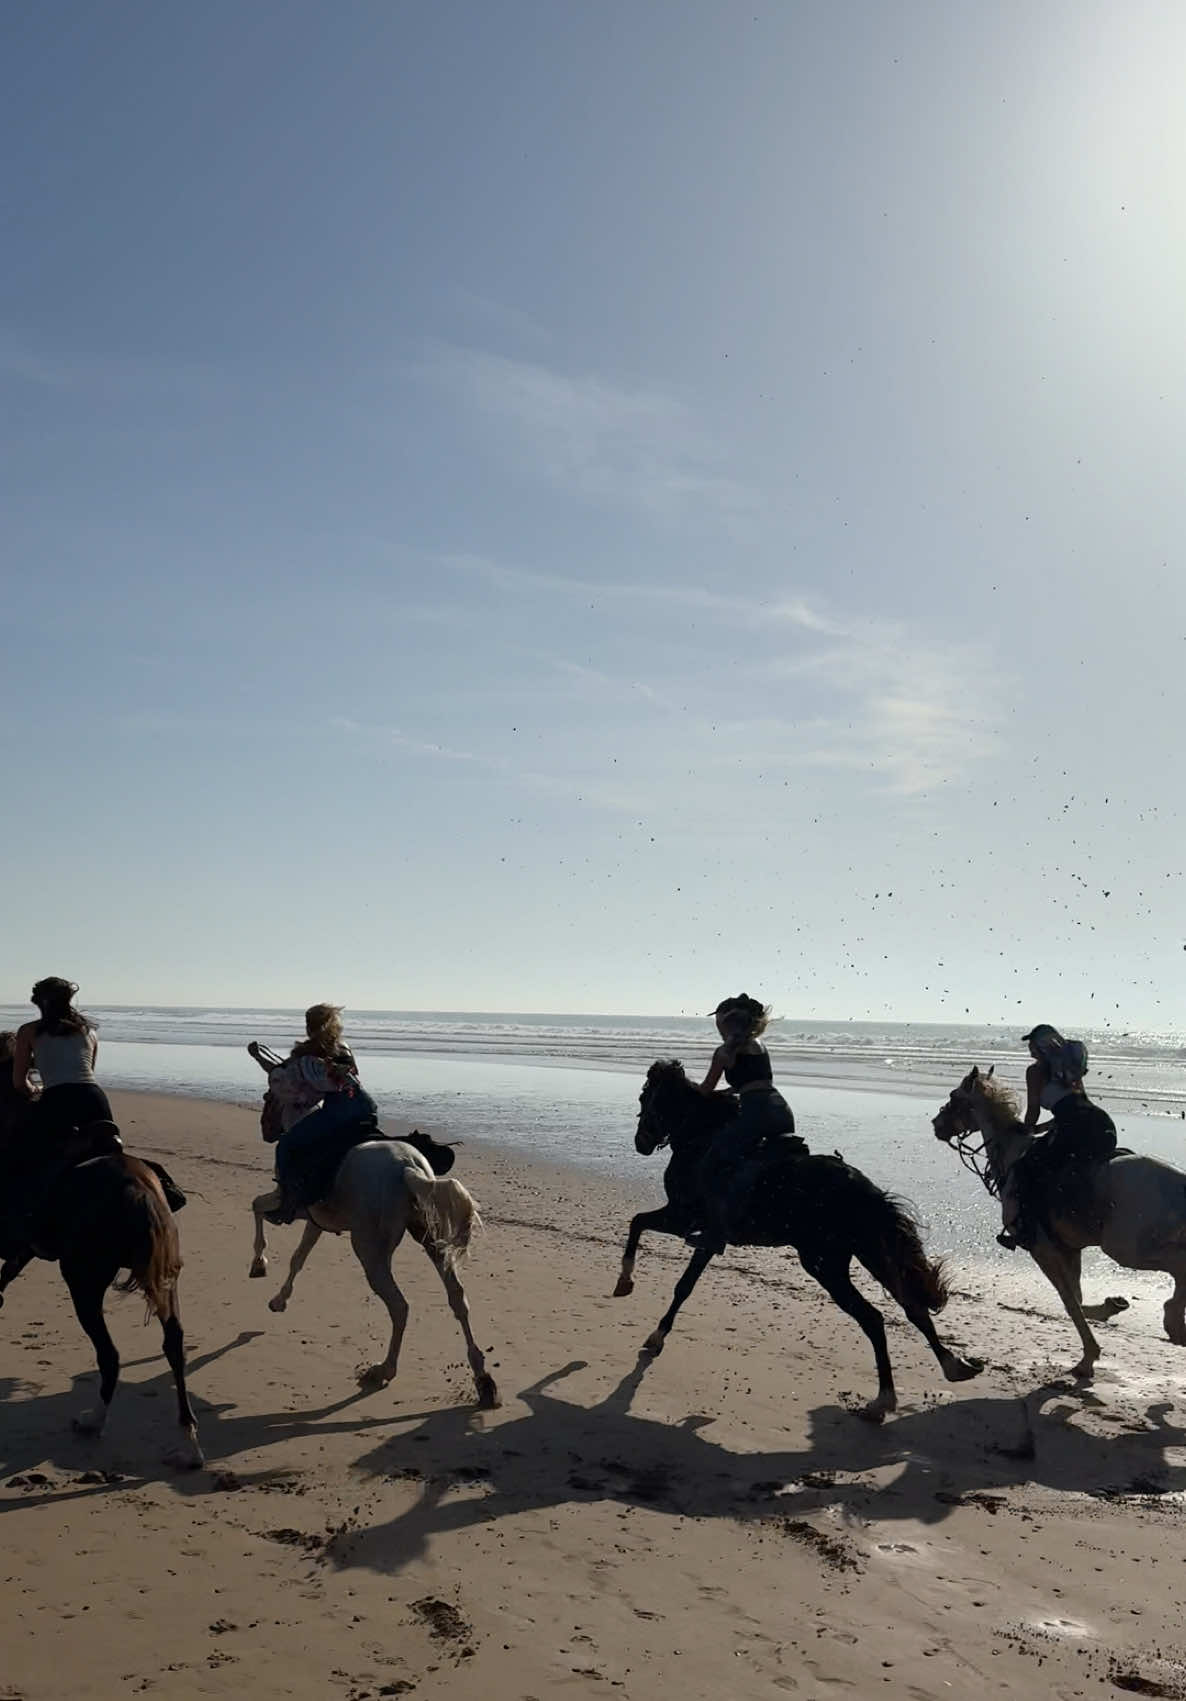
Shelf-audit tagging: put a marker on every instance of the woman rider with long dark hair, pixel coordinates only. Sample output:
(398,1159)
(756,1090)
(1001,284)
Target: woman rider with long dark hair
(1055,1171)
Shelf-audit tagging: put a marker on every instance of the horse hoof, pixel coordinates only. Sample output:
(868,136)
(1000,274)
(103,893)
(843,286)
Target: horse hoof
(90,1422)
(374,1376)
(278,1304)
(872,1413)
(653,1345)
(625,1286)
(1116,1303)
(489,1398)
(259,1268)
(187,1457)
(963,1369)
(1084,1371)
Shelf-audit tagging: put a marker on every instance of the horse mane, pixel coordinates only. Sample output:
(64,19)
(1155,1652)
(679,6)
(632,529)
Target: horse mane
(1002,1098)
(667,1066)
(715,1108)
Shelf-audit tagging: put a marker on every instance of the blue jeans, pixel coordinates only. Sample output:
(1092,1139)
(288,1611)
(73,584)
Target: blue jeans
(296,1151)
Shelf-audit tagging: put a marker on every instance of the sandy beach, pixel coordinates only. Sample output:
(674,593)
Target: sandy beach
(715,1523)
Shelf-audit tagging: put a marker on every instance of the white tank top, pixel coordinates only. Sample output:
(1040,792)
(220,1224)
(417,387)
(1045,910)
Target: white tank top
(63,1060)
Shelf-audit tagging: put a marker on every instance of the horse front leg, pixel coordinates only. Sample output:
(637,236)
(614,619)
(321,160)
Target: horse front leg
(1174,1314)
(305,1245)
(698,1264)
(660,1221)
(88,1285)
(265,1202)
(1061,1273)
(1105,1309)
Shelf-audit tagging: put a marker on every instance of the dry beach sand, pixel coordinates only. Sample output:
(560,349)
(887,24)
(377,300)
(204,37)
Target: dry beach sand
(714,1524)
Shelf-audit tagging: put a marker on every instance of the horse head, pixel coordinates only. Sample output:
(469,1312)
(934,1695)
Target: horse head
(957,1117)
(670,1108)
(665,1086)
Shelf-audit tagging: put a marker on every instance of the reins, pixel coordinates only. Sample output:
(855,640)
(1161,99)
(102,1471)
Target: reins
(975,1158)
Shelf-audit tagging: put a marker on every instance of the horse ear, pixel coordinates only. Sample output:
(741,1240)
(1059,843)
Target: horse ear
(974,1074)
(991,1067)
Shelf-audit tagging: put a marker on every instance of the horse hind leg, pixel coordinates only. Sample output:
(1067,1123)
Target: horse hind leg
(375,1258)
(832,1274)
(903,1286)
(187,1455)
(88,1287)
(488,1396)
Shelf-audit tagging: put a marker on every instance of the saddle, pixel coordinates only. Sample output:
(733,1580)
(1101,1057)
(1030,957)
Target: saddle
(324,1166)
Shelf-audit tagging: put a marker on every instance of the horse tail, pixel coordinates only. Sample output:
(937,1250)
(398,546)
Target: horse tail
(447,1211)
(895,1255)
(156,1265)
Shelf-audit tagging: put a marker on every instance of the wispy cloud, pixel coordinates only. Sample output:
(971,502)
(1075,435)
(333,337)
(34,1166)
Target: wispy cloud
(916,713)
(418,746)
(906,706)
(639,446)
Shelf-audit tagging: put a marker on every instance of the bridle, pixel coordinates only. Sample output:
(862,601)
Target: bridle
(968,1145)
(649,1121)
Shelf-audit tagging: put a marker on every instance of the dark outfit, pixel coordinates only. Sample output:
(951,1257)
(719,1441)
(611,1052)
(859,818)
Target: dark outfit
(60,1110)
(762,1110)
(1054,1174)
(739,1152)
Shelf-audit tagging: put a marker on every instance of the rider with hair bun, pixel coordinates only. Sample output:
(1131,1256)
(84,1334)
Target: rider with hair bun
(732,1160)
(62,1046)
(1053,1174)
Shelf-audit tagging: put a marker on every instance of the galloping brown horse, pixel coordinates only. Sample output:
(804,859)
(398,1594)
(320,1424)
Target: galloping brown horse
(104,1214)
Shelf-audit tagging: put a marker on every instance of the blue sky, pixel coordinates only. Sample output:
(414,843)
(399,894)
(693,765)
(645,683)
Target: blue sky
(592,506)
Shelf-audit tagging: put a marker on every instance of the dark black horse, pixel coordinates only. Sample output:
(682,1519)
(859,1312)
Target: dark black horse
(828,1211)
(99,1215)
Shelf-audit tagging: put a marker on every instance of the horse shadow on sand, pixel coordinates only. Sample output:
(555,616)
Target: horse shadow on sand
(471,1470)
(37,1434)
(962,1452)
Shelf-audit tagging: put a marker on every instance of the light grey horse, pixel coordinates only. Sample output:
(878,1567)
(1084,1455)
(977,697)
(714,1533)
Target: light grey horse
(1137,1216)
(384,1189)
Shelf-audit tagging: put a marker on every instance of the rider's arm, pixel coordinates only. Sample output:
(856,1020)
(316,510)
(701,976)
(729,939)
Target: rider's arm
(253,1051)
(1034,1078)
(715,1070)
(22,1061)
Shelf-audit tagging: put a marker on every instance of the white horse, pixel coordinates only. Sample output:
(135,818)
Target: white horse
(1137,1215)
(383,1189)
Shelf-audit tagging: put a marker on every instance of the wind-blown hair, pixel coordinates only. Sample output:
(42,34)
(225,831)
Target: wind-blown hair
(54,997)
(745,1018)
(323,1025)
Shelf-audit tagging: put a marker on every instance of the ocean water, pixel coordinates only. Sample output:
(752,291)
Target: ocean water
(565,1088)
(1136,1071)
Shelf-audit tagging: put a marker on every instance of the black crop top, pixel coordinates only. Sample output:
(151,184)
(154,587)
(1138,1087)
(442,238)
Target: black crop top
(749,1066)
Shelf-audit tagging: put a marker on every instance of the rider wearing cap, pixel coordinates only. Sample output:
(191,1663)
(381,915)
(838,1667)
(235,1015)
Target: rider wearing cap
(732,1160)
(1053,1173)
